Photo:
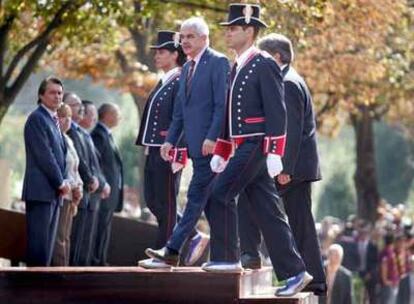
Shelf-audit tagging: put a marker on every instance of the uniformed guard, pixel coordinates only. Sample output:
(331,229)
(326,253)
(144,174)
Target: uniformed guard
(161,178)
(254,135)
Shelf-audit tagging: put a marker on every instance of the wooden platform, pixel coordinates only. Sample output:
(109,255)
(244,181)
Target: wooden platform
(137,285)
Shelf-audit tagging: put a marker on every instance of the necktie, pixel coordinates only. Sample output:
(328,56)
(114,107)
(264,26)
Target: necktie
(190,75)
(56,121)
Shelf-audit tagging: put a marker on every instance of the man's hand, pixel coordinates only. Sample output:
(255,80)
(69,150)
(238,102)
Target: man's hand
(106,191)
(93,185)
(283,179)
(165,150)
(64,188)
(208,147)
(77,193)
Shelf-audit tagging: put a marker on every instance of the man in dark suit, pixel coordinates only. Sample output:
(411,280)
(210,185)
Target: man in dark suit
(256,125)
(88,241)
(44,179)
(300,169)
(90,181)
(109,116)
(369,262)
(199,112)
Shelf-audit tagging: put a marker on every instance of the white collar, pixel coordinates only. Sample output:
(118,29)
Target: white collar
(243,57)
(51,113)
(170,73)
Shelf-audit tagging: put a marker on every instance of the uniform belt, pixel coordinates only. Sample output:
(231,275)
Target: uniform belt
(237,141)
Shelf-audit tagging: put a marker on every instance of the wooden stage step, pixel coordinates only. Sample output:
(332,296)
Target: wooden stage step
(136,285)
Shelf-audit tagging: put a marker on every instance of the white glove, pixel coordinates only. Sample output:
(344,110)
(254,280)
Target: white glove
(274,165)
(175,167)
(218,164)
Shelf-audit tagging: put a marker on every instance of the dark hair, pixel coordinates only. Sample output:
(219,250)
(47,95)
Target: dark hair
(278,43)
(181,58)
(44,83)
(256,30)
(86,104)
(389,239)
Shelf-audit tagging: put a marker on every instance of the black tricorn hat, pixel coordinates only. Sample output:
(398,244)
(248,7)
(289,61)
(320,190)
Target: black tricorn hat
(244,14)
(167,40)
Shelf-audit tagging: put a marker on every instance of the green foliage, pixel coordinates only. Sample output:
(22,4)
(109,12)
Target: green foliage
(335,194)
(394,163)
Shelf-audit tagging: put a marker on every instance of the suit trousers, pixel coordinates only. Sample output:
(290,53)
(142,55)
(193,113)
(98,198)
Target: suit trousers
(61,253)
(41,224)
(77,235)
(297,202)
(160,191)
(197,196)
(103,236)
(88,238)
(247,171)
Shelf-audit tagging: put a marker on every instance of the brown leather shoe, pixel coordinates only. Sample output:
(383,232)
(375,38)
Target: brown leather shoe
(164,254)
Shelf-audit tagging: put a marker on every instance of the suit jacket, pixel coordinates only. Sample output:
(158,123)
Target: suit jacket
(301,159)
(111,165)
(341,292)
(85,169)
(45,157)
(95,168)
(200,111)
(371,261)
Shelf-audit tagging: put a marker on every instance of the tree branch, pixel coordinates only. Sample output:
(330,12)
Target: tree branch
(196,5)
(123,62)
(55,23)
(27,69)
(4,31)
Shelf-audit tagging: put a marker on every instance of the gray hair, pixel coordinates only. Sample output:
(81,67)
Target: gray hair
(196,23)
(278,43)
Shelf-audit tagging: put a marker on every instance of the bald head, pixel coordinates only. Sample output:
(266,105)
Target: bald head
(75,103)
(109,114)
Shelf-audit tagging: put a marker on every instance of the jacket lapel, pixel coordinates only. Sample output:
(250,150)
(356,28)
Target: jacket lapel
(200,70)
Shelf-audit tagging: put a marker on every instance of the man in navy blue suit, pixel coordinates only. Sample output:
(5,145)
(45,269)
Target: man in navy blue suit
(256,127)
(44,180)
(199,112)
(300,169)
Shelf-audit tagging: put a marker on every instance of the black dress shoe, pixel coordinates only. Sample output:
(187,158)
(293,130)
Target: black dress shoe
(250,262)
(318,289)
(164,254)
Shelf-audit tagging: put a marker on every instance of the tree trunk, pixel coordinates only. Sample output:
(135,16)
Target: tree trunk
(4,106)
(365,177)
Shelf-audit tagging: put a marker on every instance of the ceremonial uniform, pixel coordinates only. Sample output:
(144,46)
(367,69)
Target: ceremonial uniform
(253,143)
(256,126)
(161,184)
